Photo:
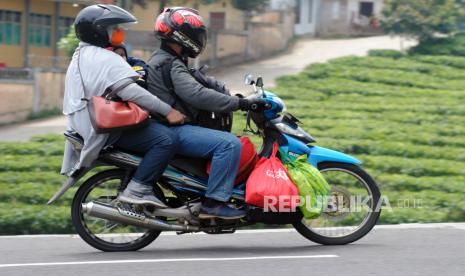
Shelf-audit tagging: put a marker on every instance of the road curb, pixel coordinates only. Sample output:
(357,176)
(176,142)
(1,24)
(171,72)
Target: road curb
(447,225)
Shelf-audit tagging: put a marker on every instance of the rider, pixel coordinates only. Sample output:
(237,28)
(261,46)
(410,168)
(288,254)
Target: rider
(183,35)
(91,71)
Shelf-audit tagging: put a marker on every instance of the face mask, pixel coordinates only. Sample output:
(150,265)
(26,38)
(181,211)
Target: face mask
(117,37)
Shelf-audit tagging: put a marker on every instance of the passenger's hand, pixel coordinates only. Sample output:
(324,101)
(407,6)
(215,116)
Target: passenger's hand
(175,117)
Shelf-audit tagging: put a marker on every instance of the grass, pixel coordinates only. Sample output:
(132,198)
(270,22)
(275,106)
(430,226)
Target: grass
(403,116)
(45,114)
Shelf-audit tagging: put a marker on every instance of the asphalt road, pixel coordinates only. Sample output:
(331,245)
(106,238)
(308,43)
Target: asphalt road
(400,250)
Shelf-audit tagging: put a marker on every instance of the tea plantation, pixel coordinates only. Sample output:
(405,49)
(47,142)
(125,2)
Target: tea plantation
(404,117)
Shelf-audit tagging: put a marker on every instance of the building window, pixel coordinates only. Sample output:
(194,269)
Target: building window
(336,9)
(366,9)
(63,26)
(297,11)
(217,20)
(10,27)
(40,30)
(310,11)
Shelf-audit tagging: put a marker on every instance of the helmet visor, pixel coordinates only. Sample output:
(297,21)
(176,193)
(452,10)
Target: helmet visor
(202,41)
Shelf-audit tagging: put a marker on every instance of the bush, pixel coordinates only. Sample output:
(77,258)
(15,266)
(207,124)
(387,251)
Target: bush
(45,114)
(453,46)
(423,19)
(34,219)
(386,53)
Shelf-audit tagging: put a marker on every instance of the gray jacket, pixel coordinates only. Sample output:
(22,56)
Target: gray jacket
(93,142)
(194,95)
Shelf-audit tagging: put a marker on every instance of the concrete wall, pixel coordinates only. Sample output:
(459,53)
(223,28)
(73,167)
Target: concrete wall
(271,37)
(23,97)
(333,17)
(342,17)
(17,99)
(51,87)
(308,17)
(231,44)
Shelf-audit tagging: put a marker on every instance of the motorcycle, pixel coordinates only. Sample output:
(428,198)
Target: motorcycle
(109,225)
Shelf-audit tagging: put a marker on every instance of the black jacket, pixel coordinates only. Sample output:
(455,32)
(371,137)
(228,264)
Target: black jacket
(194,95)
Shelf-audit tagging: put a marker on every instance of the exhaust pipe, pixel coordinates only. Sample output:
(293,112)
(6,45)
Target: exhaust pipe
(123,216)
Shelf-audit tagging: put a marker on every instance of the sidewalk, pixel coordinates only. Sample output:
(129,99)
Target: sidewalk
(303,53)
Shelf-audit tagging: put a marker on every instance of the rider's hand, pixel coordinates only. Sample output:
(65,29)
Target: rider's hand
(175,117)
(256,105)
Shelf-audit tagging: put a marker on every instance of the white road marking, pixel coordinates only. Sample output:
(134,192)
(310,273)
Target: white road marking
(446,225)
(170,260)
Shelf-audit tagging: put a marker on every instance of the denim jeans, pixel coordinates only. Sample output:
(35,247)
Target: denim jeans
(225,150)
(157,143)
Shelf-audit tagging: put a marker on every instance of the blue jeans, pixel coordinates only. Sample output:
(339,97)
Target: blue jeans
(157,143)
(225,150)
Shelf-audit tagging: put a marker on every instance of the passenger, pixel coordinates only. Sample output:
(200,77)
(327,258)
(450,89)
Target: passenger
(92,70)
(183,35)
(137,64)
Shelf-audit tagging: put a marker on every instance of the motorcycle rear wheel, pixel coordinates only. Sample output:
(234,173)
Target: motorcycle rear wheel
(334,227)
(103,234)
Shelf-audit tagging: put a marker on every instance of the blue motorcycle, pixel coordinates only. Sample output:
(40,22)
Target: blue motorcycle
(109,225)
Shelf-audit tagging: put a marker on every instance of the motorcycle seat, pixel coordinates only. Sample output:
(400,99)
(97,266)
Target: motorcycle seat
(124,158)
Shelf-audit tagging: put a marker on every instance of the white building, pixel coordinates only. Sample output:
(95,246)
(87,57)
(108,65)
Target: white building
(329,17)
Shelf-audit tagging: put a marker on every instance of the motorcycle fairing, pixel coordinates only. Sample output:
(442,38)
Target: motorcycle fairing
(316,154)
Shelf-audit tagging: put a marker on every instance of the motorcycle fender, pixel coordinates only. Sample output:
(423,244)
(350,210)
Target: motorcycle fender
(319,154)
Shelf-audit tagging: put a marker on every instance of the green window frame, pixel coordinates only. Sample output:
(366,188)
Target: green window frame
(40,30)
(10,27)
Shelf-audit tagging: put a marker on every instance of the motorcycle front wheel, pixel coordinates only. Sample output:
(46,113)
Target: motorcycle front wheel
(352,208)
(103,234)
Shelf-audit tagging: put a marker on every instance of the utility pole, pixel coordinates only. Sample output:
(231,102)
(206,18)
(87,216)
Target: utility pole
(27,4)
(163,4)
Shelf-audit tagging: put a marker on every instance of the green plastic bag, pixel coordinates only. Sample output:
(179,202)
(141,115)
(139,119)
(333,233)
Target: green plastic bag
(311,184)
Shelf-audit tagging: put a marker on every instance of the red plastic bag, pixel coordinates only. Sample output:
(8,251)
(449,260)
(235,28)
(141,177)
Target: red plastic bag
(270,187)
(247,162)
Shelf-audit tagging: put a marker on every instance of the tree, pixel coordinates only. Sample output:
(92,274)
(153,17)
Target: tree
(423,19)
(69,42)
(249,5)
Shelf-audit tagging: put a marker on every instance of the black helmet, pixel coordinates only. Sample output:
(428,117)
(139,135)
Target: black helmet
(183,26)
(91,24)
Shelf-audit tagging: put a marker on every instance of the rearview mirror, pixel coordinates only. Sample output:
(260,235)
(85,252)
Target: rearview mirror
(260,82)
(249,80)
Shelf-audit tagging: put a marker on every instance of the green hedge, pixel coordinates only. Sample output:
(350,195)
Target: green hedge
(451,46)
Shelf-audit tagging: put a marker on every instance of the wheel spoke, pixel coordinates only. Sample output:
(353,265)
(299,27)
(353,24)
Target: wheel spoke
(349,193)
(105,191)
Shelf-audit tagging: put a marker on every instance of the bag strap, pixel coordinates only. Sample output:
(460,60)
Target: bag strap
(109,94)
(165,67)
(275,150)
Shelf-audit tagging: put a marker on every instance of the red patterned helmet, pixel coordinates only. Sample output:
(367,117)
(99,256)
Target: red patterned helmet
(183,26)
